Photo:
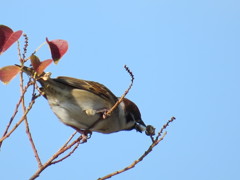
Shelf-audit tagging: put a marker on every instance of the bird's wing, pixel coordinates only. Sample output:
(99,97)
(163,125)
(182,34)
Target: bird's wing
(90,86)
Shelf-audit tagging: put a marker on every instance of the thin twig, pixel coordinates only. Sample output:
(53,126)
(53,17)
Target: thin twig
(71,137)
(32,143)
(16,110)
(164,127)
(51,161)
(28,132)
(69,154)
(39,47)
(136,161)
(154,143)
(108,113)
(19,53)
(19,122)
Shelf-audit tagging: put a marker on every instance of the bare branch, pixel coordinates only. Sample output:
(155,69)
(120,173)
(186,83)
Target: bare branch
(19,122)
(164,127)
(108,113)
(71,137)
(135,162)
(27,124)
(154,143)
(32,143)
(16,110)
(38,48)
(69,154)
(63,149)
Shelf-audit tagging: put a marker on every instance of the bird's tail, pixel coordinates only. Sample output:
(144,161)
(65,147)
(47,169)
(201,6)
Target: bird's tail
(27,70)
(30,71)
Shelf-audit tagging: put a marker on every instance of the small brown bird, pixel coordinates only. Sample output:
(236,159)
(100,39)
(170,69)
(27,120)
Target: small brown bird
(81,104)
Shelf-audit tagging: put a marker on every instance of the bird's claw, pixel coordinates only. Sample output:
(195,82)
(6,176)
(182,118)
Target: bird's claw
(104,113)
(85,134)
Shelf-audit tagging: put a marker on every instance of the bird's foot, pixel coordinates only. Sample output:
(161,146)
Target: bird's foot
(86,134)
(103,112)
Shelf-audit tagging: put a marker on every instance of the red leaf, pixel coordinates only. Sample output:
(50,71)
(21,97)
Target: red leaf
(43,65)
(35,62)
(7,73)
(12,39)
(58,48)
(5,33)
(39,66)
(7,37)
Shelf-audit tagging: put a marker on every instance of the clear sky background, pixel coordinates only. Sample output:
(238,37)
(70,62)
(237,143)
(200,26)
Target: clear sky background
(185,56)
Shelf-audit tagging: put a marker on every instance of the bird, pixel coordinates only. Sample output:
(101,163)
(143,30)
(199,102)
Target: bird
(82,104)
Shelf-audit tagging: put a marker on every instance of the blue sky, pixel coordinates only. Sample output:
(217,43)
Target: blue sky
(185,58)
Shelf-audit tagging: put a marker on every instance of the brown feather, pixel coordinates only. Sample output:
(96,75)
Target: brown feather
(90,86)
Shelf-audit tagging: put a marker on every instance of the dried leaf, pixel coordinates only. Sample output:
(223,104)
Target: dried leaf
(58,48)
(35,62)
(7,73)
